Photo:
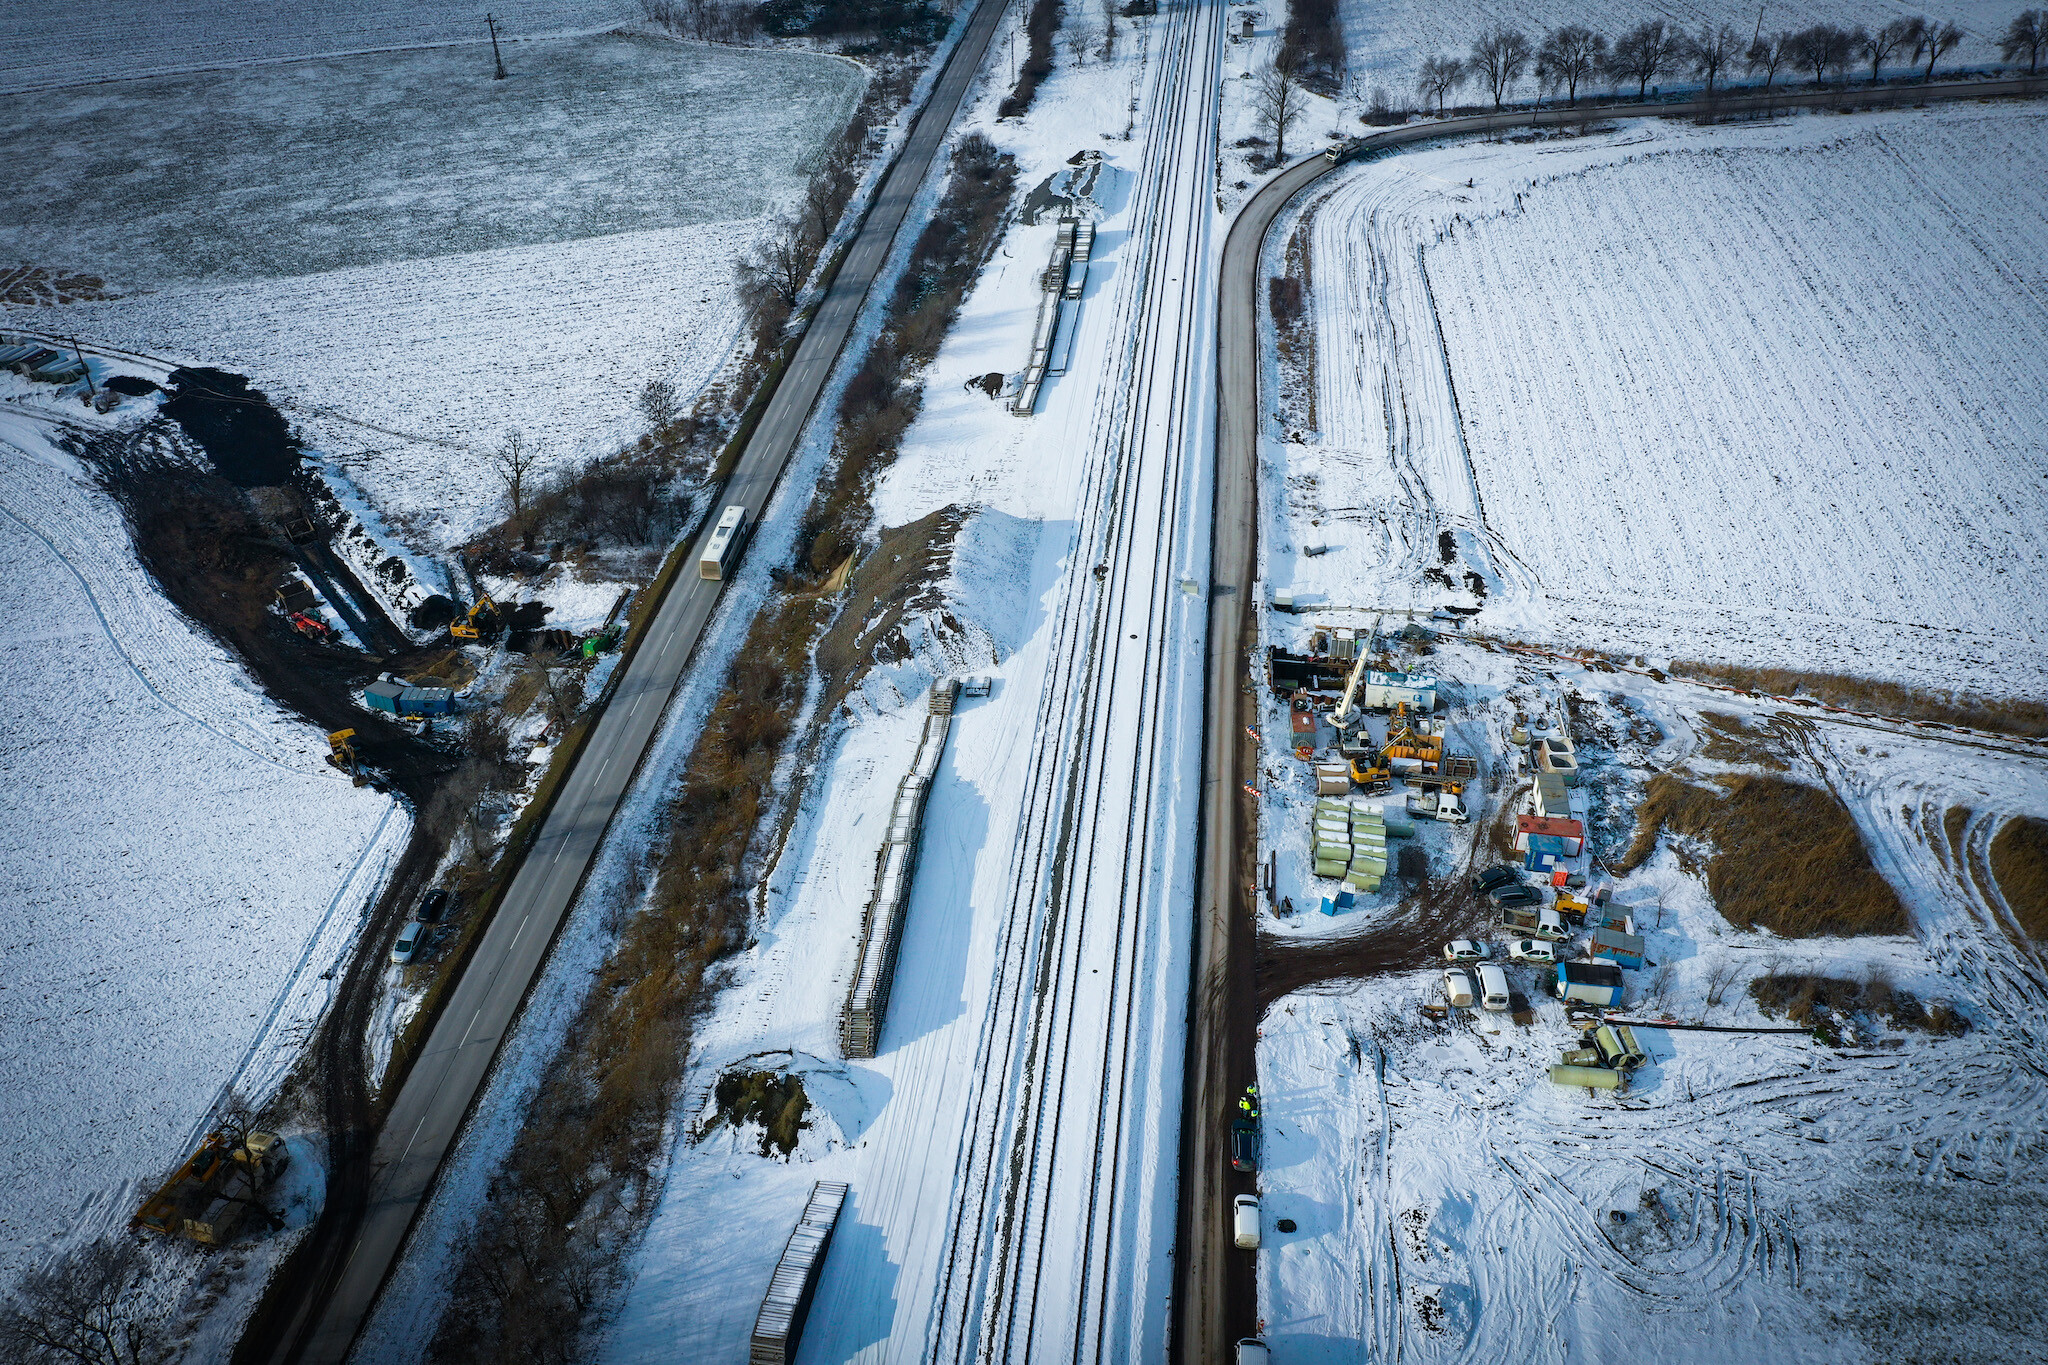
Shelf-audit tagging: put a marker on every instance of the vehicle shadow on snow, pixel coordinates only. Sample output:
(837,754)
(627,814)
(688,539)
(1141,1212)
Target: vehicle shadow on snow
(932,962)
(858,1303)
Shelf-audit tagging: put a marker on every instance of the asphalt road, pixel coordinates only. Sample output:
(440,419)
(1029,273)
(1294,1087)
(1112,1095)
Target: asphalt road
(1217,1295)
(451,1069)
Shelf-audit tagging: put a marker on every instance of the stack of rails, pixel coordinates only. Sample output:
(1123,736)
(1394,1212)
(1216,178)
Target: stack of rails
(1349,840)
(860,1024)
(780,1323)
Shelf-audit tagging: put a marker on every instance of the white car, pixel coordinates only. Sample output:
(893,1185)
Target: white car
(1245,1221)
(1532,950)
(1551,925)
(1467,950)
(410,940)
(1458,989)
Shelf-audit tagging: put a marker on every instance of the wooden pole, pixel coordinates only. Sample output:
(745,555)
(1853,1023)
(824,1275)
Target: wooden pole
(496,55)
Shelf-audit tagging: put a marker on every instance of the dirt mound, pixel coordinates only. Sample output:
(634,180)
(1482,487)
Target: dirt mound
(247,440)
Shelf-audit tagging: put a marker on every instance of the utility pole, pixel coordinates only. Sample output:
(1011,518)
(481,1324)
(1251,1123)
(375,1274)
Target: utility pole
(90,391)
(497,55)
(1759,27)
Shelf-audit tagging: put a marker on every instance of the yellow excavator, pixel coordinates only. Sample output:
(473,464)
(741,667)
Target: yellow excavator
(342,754)
(482,616)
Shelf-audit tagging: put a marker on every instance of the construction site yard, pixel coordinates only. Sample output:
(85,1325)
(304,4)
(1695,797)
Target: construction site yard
(1831,1145)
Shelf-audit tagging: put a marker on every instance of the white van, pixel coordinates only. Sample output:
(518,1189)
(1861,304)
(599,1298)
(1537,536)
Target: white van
(1493,987)
(1252,1351)
(1458,988)
(1246,1221)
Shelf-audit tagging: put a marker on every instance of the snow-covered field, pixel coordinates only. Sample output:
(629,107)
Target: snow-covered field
(1776,1195)
(70,42)
(1762,393)
(412,257)
(1387,43)
(180,865)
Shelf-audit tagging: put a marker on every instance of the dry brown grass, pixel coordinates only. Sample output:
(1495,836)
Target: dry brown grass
(1878,697)
(2019,860)
(1824,1001)
(1730,740)
(1787,857)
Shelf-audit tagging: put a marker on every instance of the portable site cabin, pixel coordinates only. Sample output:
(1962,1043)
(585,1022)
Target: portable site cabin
(1596,983)
(1624,950)
(780,1323)
(1569,834)
(403,699)
(1385,691)
(1541,852)
(1548,799)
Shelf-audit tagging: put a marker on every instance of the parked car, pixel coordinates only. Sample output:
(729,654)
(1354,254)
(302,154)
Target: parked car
(1532,950)
(1551,925)
(1244,1145)
(411,939)
(1458,989)
(1493,988)
(1516,894)
(1467,950)
(1493,878)
(433,907)
(1245,1221)
(1252,1351)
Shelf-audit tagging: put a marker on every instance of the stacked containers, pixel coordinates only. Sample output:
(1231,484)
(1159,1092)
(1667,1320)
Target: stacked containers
(1330,837)
(1368,847)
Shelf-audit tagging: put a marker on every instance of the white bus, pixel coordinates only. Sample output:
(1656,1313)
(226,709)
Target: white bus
(725,542)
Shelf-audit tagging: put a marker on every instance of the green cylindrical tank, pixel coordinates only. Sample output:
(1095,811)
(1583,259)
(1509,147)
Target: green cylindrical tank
(1598,1077)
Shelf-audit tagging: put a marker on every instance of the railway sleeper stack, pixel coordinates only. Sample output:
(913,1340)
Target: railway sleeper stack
(787,1303)
(860,1024)
(1348,839)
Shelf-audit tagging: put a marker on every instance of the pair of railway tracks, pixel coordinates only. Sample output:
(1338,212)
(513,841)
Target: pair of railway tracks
(1059,1230)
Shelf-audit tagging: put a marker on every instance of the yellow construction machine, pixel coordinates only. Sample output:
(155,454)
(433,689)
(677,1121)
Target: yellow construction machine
(342,754)
(210,1196)
(481,617)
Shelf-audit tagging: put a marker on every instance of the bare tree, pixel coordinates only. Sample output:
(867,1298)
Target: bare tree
(1932,40)
(1711,51)
(659,403)
(1876,45)
(81,1310)
(1440,76)
(775,271)
(1277,99)
(1499,57)
(2027,33)
(1821,49)
(1768,53)
(515,463)
(1568,56)
(1644,52)
(1724,973)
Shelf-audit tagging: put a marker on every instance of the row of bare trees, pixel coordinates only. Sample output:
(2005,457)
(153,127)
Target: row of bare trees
(1565,60)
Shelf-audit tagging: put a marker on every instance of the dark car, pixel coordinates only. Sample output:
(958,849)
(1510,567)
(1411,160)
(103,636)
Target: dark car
(1485,882)
(1516,894)
(433,907)
(1244,1145)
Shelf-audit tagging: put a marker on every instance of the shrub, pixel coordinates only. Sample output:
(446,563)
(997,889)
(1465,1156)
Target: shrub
(2019,863)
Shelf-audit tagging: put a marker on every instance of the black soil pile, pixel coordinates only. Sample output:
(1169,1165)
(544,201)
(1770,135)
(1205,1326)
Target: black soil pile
(246,439)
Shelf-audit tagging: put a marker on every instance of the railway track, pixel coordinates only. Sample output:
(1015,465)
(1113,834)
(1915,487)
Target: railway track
(1056,1249)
